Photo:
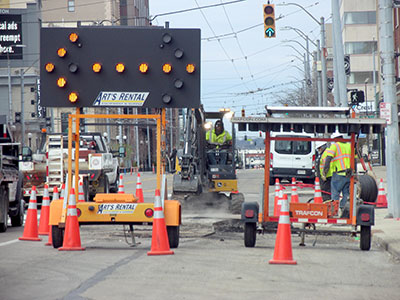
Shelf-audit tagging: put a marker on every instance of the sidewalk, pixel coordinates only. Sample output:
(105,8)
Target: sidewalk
(386,231)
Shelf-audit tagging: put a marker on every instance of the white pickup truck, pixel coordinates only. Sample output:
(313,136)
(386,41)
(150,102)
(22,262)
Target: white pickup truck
(98,169)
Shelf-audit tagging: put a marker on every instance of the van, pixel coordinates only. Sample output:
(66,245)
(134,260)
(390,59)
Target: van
(290,158)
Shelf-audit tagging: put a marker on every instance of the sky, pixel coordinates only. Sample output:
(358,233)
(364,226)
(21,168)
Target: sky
(239,67)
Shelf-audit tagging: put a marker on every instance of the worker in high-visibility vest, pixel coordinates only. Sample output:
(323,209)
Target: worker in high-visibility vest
(217,138)
(319,164)
(339,154)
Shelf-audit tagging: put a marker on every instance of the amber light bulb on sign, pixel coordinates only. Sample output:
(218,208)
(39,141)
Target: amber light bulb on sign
(190,68)
(96,67)
(73,37)
(49,67)
(143,68)
(167,68)
(61,52)
(61,82)
(120,67)
(73,97)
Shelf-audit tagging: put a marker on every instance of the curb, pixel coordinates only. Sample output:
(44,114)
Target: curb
(383,244)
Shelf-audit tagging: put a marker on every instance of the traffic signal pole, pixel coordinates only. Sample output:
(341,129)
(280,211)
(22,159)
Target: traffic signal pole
(386,42)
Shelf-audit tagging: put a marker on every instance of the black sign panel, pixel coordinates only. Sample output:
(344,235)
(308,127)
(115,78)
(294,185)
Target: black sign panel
(158,67)
(357,97)
(10,37)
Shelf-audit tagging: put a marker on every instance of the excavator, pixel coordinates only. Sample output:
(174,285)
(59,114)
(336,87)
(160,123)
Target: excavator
(202,184)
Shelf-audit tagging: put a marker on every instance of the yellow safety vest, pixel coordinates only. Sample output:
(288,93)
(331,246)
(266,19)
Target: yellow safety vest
(341,153)
(218,140)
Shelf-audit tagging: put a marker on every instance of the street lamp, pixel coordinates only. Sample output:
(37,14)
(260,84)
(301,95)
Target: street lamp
(321,23)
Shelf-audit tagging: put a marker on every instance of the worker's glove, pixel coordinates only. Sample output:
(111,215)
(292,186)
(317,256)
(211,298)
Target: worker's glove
(323,177)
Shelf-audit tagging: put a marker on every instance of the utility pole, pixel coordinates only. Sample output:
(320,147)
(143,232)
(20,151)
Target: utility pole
(339,53)
(319,83)
(22,110)
(323,64)
(386,42)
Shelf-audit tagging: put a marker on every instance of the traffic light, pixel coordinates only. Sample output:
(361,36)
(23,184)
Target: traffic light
(17,117)
(243,112)
(357,97)
(48,122)
(269,21)
(120,67)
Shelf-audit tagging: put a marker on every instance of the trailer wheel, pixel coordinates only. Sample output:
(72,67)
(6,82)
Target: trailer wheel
(365,237)
(235,203)
(57,235)
(3,209)
(173,236)
(250,232)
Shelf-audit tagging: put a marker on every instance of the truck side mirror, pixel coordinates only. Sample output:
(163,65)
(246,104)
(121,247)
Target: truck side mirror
(121,151)
(26,154)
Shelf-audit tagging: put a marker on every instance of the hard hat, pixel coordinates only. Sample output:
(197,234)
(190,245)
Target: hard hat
(337,134)
(319,144)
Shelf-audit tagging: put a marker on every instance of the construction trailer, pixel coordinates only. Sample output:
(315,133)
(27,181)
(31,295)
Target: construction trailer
(309,217)
(103,67)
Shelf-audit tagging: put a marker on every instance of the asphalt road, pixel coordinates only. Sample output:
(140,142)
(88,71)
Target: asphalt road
(209,264)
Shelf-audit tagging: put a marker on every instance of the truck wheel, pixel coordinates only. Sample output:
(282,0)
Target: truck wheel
(235,204)
(106,184)
(18,219)
(3,209)
(365,237)
(250,232)
(173,236)
(57,235)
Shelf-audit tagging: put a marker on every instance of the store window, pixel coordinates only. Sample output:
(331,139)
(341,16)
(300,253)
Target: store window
(71,5)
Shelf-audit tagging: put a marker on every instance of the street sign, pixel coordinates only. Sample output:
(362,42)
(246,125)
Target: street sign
(120,67)
(385,111)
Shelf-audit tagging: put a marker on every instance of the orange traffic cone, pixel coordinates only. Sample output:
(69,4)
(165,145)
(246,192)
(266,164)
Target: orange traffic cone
(72,239)
(317,193)
(295,196)
(159,240)
(31,223)
(381,202)
(121,185)
(62,191)
(283,242)
(44,227)
(276,200)
(81,195)
(55,197)
(139,191)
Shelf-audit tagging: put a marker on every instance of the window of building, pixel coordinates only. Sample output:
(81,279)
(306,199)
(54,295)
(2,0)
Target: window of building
(360,17)
(71,5)
(123,11)
(360,77)
(360,47)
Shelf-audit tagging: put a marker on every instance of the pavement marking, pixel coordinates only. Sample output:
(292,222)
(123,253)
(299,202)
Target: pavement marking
(8,243)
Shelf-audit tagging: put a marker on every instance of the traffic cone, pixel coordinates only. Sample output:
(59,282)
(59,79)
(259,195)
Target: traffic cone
(283,242)
(72,239)
(55,197)
(159,240)
(317,193)
(121,185)
(62,191)
(81,195)
(381,202)
(44,227)
(139,191)
(295,196)
(276,199)
(278,202)
(31,223)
